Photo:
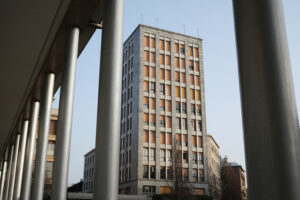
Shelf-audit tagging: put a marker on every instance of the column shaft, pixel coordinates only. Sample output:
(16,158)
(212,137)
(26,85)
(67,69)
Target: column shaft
(31,143)
(271,129)
(64,124)
(8,176)
(43,135)
(14,168)
(19,172)
(3,177)
(109,103)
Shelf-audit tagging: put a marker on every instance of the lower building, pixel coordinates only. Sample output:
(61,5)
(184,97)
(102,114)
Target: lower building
(214,168)
(233,182)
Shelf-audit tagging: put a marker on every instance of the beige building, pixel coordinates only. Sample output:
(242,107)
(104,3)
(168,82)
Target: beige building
(214,167)
(163,106)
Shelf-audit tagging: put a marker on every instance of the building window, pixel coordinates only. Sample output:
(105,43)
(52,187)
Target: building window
(152,172)
(146,136)
(162,138)
(176,48)
(169,155)
(146,41)
(182,77)
(169,173)
(184,140)
(48,175)
(184,108)
(178,122)
(146,119)
(184,126)
(176,77)
(145,174)
(195,158)
(162,44)
(177,107)
(51,147)
(152,87)
(199,127)
(148,190)
(162,172)
(146,102)
(152,137)
(182,51)
(162,155)
(162,123)
(195,175)
(185,157)
(198,110)
(162,89)
(145,153)
(193,124)
(152,120)
(196,52)
(200,158)
(191,66)
(152,154)
(190,51)
(146,87)
(152,103)
(162,105)
(201,175)
(185,173)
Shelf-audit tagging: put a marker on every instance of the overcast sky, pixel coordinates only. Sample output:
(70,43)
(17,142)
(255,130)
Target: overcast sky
(211,20)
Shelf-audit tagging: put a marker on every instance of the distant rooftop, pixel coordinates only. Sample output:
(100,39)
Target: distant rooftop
(234,164)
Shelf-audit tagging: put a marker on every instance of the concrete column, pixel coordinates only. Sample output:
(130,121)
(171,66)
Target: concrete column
(14,168)
(271,129)
(19,172)
(109,103)
(64,125)
(42,145)
(31,143)
(4,174)
(8,176)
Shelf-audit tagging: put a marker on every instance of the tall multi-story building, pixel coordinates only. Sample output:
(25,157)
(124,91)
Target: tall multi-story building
(163,113)
(213,167)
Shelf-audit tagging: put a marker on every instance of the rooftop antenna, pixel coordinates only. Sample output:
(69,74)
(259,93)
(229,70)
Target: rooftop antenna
(142,18)
(157,22)
(198,32)
(184,29)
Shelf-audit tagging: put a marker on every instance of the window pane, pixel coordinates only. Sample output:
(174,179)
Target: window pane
(152,42)
(162,59)
(146,70)
(146,41)
(161,44)
(168,45)
(162,138)
(146,56)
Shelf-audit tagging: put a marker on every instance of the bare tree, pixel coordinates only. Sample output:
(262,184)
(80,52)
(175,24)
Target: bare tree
(230,186)
(179,179)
